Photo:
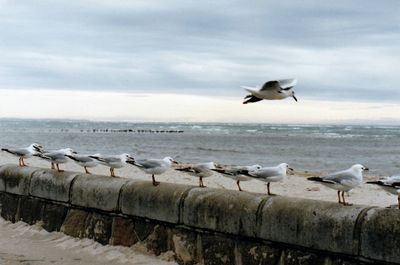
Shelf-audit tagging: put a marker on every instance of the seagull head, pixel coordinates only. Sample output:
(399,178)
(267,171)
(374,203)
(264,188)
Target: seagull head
(128,158)
(359,168)
(286,167)
(254,167)
(36,148)
(68,151)
(170,160)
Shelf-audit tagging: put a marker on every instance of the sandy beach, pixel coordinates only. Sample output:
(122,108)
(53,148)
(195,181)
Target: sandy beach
(295,185)
(24,244)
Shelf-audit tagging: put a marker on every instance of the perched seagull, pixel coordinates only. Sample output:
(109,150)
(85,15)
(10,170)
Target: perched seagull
(85,161)
(154,166)
(390,184)
(57,157)
(200,170)
(22,153)
(343,181)
(115,161)
(270,174)
(238,173)
(271,90)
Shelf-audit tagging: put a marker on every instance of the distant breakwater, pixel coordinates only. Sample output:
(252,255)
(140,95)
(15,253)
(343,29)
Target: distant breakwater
(140,131)
(200,225)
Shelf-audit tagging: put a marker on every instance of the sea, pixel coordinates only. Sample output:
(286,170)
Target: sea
(305,147)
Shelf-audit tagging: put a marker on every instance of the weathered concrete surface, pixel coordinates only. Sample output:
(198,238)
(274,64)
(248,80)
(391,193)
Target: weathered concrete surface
(223,211)
(123,232)
(201,226)
(161,202)
(9,206)
(85,224)
(98,227)
(53,216)
(52,185)
(186,246)
(217,250)
(295,257)
(30,210)
(98,192)
(75,223)
(257,253)
(15,179)
(380,235)
(309,223)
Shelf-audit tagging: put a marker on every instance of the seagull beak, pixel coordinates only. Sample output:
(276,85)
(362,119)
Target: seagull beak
(366,169)
(74,152)
(291,169)
(295,98)
(37,149)
(175,162)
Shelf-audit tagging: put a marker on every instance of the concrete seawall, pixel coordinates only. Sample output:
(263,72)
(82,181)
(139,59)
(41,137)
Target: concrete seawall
(200,225)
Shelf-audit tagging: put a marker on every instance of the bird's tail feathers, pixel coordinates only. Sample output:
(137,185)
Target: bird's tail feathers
(71,157)
(6,150)
(316,179)
(97,158)
(374,182)
(42,156)
(185,169)
(249,89)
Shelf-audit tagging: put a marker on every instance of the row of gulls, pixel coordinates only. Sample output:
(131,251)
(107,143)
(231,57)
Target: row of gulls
(62,156)
(24,153)
(341,181)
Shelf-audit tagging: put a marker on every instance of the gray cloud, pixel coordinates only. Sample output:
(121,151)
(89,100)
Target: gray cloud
(339,50)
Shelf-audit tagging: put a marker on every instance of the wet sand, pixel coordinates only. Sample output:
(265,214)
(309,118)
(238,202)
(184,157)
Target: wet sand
(24,244)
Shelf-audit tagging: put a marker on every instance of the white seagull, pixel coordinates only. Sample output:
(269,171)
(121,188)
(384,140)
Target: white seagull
(200,170)
(154,166)
(343,181)
(270,174)
(390,184)
(26,152)
(114,161)
(271,90)
(84,161)
(238,173)
(57,157)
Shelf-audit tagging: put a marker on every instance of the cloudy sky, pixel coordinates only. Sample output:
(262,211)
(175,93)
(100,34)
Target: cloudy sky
(186,60)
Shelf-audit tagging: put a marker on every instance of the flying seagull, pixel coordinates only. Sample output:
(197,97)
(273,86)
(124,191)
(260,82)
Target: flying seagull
(343,181)
(271,90)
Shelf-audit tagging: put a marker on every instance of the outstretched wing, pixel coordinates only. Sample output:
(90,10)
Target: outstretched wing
(286,84)
(271,85)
